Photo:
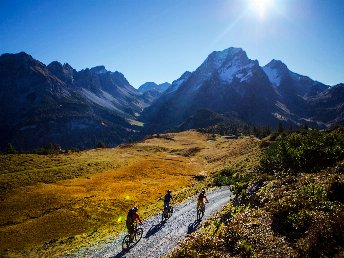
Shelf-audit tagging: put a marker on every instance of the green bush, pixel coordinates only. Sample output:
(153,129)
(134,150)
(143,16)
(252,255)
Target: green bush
(245,249)
(325,238)
(306,151)
(337,191)
(224,177)
(101,144)
(315,195)
(299,221)
(238,180)
(10,149)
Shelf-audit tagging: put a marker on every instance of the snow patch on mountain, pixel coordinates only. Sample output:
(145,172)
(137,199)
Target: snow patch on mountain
(107,101)
(273,75)
(236,69)
(221,56)
(282,106)
(176,84)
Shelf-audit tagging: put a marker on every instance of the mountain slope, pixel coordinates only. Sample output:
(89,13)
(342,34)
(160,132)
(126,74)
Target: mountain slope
(328,106)
(151,91)
(293,90)
(55,104)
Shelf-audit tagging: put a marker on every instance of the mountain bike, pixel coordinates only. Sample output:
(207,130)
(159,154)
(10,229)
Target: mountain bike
(136,237)
(167,212)
(200,211)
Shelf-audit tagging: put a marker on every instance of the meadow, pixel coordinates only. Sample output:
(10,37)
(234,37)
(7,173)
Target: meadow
(53,204)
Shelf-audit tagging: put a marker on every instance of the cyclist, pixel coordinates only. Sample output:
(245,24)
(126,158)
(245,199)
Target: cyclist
(200,199)
(167,199)
(131,218)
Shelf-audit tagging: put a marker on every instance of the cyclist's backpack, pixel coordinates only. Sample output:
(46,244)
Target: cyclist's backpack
(130,215)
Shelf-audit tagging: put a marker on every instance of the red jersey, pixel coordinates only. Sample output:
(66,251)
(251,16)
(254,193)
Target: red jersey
(134,217)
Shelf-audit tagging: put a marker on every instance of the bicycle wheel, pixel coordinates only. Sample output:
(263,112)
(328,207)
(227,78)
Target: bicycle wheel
(199,214)
(126,243)
(164,215)
(139,233)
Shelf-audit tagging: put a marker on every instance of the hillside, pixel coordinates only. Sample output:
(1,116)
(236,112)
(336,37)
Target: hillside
(290,205)
(52,204)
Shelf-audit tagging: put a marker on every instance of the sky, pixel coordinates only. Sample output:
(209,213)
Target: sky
(158,40)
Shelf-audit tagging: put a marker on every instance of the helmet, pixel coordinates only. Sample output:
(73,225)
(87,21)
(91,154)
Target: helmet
(169,191)
(135,208)
(203,191)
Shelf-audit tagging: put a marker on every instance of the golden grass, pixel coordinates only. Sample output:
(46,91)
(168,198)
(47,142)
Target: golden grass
(51,204)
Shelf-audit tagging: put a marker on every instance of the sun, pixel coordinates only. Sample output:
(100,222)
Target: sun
(261,7)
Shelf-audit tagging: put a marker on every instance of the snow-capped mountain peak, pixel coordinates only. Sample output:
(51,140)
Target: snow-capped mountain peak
(275,70)
(229,64)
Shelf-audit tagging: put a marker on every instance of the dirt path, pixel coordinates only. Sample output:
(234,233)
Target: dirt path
(160,238)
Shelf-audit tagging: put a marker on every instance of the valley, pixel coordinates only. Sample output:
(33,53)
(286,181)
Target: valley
(55,203)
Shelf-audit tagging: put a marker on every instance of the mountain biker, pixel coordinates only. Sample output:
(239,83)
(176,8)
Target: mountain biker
(167,199)
(200,199)
(131,218)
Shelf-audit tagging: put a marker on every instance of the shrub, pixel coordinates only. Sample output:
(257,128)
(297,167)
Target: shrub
(48,149)
(291,218)
(300,221)
(245,249)
(336,192)
(315,194)
(224,177)
(237,179)
(10,149)
(306,151)
(325,238)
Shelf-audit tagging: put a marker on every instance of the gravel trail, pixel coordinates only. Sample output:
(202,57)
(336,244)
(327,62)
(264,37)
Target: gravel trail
(160,238)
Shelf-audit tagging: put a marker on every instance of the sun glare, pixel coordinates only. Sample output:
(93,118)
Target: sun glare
(261,7)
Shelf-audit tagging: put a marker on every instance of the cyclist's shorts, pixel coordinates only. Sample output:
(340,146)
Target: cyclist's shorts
(130,226)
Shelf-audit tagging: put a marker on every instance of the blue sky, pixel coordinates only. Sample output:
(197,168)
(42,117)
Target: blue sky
(158,40)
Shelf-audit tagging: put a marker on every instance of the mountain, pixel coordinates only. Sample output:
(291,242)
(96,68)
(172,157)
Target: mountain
(151,91)
(152,86)
(42,104)
(290,84)
(328,106)
(293,90)
(228,81)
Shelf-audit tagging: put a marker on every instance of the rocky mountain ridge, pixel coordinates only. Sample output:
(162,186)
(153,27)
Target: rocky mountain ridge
(228,81)
(55,103)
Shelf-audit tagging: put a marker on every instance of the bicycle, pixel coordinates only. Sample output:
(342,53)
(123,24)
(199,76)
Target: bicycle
(200,211)
(166,213)
(137,235)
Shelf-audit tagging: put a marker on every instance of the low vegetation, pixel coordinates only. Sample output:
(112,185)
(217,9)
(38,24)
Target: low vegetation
(289,205)
(54,203)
